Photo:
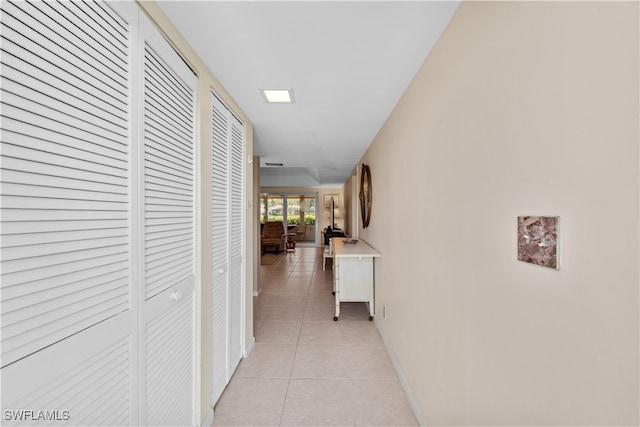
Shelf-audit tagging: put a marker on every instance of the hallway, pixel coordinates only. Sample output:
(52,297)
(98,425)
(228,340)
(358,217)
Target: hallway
(306,369)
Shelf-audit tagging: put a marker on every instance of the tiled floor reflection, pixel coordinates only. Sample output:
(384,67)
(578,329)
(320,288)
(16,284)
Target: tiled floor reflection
(306,369)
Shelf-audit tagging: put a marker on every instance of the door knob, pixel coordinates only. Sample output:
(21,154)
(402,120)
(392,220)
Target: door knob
(176,295)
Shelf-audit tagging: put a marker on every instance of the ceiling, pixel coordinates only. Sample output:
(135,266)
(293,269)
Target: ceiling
(347,62)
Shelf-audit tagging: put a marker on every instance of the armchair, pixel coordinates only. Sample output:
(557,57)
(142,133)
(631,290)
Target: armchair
(273,236)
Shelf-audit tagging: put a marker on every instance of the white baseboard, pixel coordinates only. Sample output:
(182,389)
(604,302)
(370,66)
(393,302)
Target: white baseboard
(208,421)
(401,376)
(249,348)
(257,293)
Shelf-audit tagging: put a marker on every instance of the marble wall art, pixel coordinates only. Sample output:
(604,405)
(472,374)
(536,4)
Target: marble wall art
(327,201)
(538,240)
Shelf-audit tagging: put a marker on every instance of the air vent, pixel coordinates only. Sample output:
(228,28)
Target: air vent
(273,164)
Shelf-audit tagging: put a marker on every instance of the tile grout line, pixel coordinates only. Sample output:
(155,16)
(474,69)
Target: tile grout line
(286,394)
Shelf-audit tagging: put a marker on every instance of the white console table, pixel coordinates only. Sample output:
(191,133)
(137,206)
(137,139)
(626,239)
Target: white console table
(353,273)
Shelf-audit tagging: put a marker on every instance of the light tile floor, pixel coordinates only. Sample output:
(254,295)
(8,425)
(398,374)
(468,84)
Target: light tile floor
(306,369)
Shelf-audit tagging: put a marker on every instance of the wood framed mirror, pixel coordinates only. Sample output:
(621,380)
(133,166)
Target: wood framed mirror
(365,195)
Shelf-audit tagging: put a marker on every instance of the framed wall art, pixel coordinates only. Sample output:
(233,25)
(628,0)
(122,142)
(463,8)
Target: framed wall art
(538,240)
(365,195)
(329,201)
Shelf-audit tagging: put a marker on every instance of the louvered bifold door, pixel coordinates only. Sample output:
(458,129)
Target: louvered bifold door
(227,237)
(66,310)
(236,271)
(168,228)
(219,245)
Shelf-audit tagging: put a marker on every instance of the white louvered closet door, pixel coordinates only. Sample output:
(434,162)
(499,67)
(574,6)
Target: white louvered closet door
(168,228)
(236,245)
(227,244)
(67,278)
(219,246)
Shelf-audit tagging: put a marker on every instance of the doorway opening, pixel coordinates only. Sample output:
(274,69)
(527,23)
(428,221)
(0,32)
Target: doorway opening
(297,211)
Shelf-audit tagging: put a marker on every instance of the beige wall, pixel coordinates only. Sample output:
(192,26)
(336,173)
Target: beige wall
(207,82)
(522,108)
(350,205)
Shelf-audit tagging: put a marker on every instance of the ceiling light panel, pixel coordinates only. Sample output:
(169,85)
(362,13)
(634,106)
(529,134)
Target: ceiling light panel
(278,96)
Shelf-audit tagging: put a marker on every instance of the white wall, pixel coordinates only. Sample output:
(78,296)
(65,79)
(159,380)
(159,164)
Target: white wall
(256,226)
(522,108)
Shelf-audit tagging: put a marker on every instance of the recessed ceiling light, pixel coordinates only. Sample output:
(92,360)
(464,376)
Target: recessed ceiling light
(280,96)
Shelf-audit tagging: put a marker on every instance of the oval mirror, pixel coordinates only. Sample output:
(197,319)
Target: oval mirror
(365,195)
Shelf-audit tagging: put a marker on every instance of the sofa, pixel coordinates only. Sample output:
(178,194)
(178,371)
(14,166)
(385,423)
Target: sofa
(273,236)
